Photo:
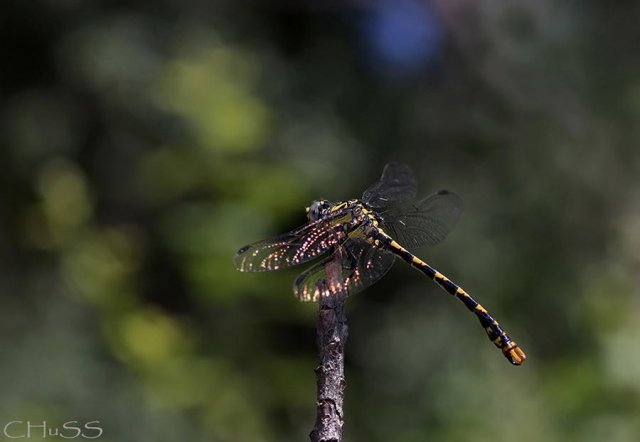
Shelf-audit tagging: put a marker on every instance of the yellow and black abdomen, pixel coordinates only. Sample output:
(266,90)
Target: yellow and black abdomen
(496,334)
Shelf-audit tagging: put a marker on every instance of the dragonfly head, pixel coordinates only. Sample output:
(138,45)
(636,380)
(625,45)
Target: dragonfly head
(317,209)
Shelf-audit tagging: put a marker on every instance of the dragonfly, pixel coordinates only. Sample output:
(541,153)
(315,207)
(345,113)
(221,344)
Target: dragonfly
(367,235)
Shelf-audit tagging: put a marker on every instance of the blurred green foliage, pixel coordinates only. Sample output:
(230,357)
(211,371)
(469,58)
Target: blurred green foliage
(145,142)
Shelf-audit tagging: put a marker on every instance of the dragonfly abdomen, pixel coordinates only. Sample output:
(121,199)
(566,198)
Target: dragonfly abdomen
(496,334)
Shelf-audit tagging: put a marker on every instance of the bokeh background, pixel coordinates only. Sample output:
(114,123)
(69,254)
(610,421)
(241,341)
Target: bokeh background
(143,142)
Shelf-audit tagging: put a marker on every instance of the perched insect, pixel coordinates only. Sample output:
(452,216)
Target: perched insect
(368,234)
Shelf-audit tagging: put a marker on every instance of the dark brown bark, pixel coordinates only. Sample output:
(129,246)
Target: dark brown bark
(331,339)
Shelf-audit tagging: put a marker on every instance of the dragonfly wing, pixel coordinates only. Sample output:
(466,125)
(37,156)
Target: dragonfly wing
(397,183)
(362,265)
(290,249)
(425,222)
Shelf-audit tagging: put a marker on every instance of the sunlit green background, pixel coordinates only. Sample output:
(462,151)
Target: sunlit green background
(144,142)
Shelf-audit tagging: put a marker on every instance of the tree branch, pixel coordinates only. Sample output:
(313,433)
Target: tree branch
(331,339)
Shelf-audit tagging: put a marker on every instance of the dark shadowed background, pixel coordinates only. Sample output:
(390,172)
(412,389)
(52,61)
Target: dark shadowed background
(144,142)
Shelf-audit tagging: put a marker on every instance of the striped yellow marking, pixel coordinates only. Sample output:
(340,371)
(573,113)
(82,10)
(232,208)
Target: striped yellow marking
(481,309)
(395,245)
(439,275)
(338,207)
(416,260)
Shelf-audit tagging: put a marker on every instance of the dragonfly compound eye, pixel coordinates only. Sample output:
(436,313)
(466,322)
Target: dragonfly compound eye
(314,211)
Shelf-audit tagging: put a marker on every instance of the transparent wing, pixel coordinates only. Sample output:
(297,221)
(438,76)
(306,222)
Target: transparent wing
(290,249)
(362,265)
(397,183)
(425,222)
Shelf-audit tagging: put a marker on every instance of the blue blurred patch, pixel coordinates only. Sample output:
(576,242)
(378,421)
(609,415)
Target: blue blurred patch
(403,36)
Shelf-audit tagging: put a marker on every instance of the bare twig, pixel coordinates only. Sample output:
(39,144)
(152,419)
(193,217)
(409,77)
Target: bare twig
(331,336)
